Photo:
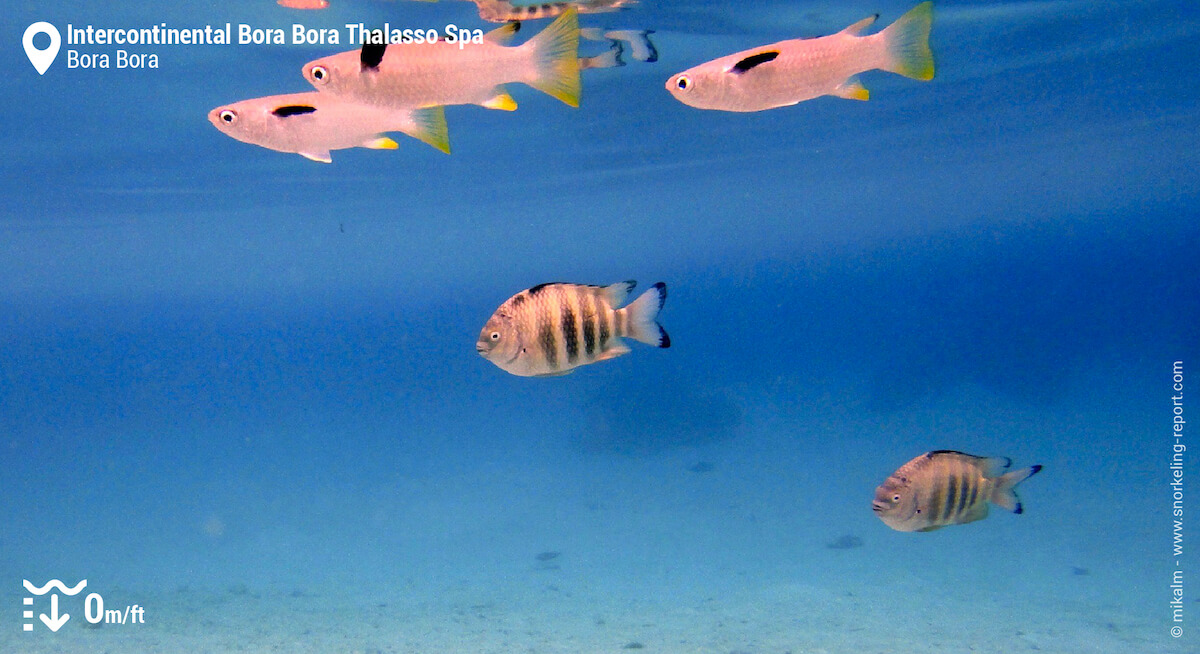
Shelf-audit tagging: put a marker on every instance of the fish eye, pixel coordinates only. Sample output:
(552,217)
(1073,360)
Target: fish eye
(495,336)
(228,116)
(320,73)
(683,83)
(895,498)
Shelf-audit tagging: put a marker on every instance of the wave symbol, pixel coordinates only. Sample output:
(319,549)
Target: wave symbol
(34,590)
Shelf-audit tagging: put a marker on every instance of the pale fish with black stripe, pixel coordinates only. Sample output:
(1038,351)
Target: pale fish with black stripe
(945,487)
(410,75)
(551,329)
(789,72)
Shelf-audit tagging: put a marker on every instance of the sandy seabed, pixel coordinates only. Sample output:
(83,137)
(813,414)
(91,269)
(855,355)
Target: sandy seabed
(549,614)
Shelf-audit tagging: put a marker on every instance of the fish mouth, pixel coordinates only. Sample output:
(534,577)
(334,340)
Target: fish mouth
(481,349)
(877,507)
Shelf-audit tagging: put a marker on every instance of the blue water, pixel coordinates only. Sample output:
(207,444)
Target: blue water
(239,375)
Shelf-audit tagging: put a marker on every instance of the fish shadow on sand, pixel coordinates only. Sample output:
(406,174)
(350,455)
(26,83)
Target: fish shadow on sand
(846,542)
(651,419)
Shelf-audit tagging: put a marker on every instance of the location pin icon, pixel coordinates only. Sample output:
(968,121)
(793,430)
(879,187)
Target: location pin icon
(41,59)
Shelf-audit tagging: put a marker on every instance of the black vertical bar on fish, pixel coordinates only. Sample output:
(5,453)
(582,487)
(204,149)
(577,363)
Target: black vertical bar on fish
(605,318)
(974,493)
(951,498)
(570,334)
(937,495)
(589,322)
(546,337)
(967,481)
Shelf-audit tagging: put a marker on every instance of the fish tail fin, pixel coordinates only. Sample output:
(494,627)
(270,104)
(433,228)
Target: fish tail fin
(907,43)
(429,126)
(556,54)
(640,45)
(1004,494)
(610,59)
(642,316)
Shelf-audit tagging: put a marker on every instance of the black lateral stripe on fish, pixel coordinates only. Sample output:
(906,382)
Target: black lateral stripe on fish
(372,55)
(753,60)
(293,110)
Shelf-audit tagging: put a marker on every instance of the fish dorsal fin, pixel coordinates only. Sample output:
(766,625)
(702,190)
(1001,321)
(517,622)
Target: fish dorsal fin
(617,293)
(504,34)
(753,60)
(861,25)
(992,466)
(935,453)
(371,55)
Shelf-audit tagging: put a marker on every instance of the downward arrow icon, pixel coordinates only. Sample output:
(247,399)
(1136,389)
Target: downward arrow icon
(55,622)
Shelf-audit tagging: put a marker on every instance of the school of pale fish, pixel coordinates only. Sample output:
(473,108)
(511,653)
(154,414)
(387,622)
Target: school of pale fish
(388,86)
(552,329)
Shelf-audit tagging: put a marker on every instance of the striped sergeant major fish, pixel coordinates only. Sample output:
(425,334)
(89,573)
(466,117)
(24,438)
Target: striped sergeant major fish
(945,487)
(551,329)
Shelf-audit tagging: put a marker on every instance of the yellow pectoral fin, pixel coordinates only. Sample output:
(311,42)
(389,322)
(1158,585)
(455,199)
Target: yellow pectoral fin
(381,143)
(852,89)
(501,101)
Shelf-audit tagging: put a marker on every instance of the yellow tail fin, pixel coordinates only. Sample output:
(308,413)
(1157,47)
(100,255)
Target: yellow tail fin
(907,43)
(556,51)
